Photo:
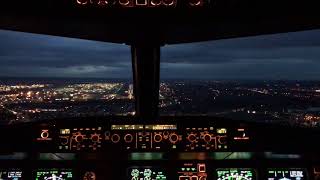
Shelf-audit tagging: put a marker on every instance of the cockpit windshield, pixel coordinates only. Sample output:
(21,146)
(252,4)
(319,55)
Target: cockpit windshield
(267,78)
(47,77)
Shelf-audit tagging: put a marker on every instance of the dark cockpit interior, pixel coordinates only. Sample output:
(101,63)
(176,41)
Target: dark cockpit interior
(146,143)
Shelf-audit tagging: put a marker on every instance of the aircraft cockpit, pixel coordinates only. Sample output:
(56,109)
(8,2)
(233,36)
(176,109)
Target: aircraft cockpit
(159,89)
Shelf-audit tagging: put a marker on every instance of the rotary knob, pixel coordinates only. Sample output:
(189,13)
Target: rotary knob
(124,2)
(82,2)
(207,138)
(222,140)
(157,138)
(173,138)
(155,2)
(95,138)
(128,138)
(195,2)
(192,137)
(64,140)
(107,2)
(79,138)
(168,2)
(45,134)
(115,138)
(95,2)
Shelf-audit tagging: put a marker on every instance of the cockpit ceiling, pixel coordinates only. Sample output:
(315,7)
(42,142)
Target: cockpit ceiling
(218,20)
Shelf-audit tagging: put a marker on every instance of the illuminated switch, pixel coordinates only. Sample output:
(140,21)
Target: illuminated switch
(201,167)
(141,2)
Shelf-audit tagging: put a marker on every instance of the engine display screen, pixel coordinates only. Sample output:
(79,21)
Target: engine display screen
(287,174)
(54,174)
(235,174)
(10,175)
(192,171)
(146,173)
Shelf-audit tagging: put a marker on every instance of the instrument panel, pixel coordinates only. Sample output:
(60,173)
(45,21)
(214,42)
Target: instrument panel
(184,171)
(192,171)
(141,3)
(287,174)
(10,174)
(140,137)
(146,173)
(235,173)
(54,174)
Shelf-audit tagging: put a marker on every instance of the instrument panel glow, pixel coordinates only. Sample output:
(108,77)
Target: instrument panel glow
(54,175)
(235,174)
(144,127)
(10,175)
(193,171)
(287,174)
(127,127)
(146,173)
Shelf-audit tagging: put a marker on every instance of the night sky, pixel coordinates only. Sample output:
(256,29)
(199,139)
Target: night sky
(292,56)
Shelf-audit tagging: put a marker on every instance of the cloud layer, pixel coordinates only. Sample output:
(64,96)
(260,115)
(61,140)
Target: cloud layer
(281,56)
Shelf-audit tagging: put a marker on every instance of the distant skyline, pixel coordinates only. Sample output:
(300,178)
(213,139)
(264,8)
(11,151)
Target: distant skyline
(290,56)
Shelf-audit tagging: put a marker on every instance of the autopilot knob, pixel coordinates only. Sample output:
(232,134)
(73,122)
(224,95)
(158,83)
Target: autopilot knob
(168,2)
(115,138)
(82,2)
(95,138)
(195,2)
(157,138)
(173,138)
(124,2)
(79,138)
(155,2)
(95,2)
(222,140)
(128,138)
(207,138)
(192,138)
(64,140)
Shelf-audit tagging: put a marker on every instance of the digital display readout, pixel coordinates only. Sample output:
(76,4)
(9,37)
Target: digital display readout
(235,174)
(10,175)
(161,127)
(287,174)
(144,127)
(54,175)
(146,173)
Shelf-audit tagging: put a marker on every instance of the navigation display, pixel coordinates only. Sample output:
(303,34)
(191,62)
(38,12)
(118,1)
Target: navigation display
(10,175)
(54,174)
(146,173)
(287,174)
(235,174)
(192,171)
